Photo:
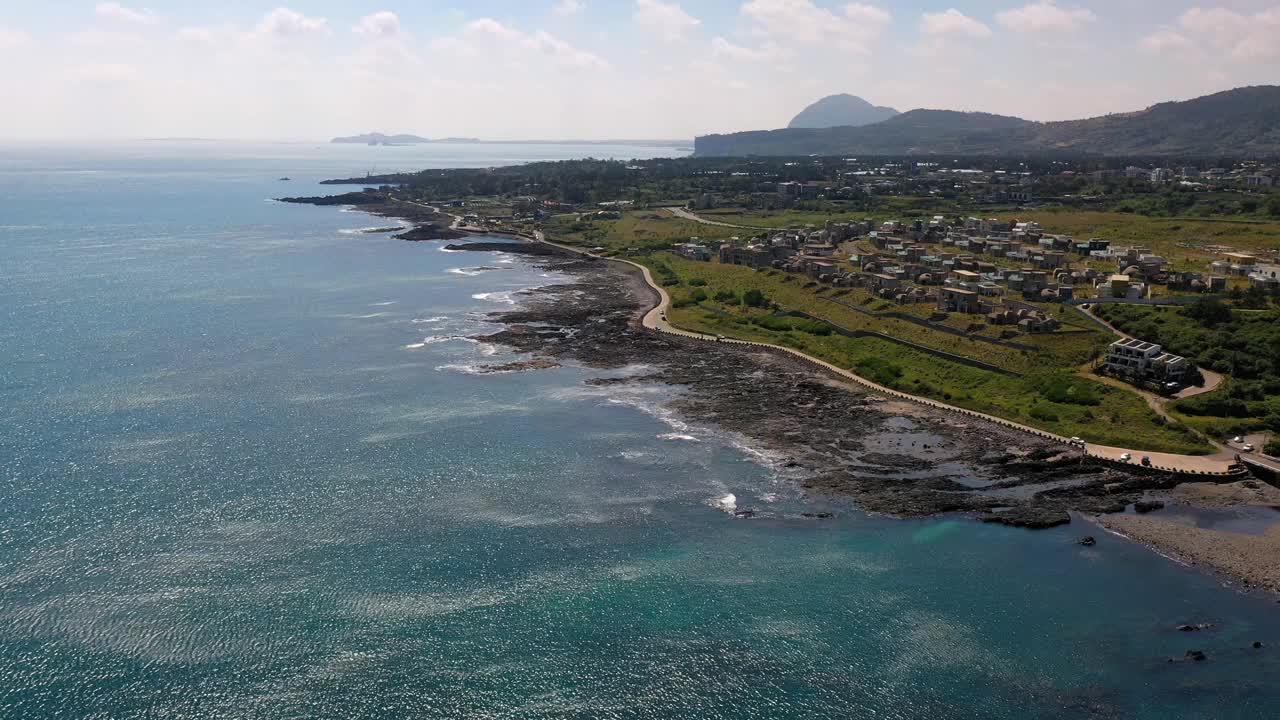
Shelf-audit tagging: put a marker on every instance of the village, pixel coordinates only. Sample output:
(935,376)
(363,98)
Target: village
(1004,274)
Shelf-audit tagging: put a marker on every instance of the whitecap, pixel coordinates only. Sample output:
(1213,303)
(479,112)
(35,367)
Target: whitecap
(379,229)
(383,304)
(430,320)
(505,296)
(466,369)
(727,502)
(472,271)
(678,436)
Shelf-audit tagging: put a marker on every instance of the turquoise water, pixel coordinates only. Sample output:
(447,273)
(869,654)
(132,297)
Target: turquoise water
(248,471)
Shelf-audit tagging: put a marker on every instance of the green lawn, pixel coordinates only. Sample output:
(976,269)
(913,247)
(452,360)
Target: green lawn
(1050,396)
(643,230)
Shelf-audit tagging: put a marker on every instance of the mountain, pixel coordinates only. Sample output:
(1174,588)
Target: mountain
(1237,123)
(841,111)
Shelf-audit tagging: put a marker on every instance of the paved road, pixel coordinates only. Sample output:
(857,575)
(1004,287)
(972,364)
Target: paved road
(656,319)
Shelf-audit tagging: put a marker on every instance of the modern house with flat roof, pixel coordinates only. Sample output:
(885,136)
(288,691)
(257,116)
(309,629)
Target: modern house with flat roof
(1145,361)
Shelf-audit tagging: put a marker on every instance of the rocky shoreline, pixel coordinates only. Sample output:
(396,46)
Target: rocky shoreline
(887,456)
(427,223)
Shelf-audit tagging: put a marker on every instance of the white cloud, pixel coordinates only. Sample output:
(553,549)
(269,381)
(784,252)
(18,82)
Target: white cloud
(722,48)
(384,24)
(116,11)
(105,73)
(953,23)
(13,39)
(1167,40)
(541,42)
(1239,36)
(1045,16)
(667,20)
(566,8)
(800,21)
(286,23)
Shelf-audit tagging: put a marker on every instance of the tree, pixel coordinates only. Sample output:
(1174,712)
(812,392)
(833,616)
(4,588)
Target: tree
(753,298)
(1209,312)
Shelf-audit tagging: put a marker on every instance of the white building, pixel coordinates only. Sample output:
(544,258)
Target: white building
(1141,360)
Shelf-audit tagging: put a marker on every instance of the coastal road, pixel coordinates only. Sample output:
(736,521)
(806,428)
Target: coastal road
(656,319)
(1220,464)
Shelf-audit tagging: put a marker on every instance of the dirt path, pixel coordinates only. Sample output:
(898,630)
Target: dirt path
(686,215)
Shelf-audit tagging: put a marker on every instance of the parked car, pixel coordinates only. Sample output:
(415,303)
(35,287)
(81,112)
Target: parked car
(1126,457)
(1247,447)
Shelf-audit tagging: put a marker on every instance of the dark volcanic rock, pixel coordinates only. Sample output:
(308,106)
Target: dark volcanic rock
(517,247)
(1029,516)
(429,233)
(1146,506)
(814,422)
(1088,541)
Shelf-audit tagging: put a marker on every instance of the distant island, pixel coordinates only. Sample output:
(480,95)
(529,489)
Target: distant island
(841,111)
(381,139)
(1235,123)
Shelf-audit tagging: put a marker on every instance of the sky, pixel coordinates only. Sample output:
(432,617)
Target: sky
(598,69)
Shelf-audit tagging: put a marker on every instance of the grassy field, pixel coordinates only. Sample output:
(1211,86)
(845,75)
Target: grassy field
(1190,238)
(796,292)
(641,230)
(1050,396)
(1189,242)
(780,218)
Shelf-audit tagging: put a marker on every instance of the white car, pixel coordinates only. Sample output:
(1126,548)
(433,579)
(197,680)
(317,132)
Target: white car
(1237,439)
(1247,447)
(1126,457)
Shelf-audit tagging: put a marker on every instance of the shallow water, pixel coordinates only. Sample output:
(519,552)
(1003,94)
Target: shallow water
(248,474)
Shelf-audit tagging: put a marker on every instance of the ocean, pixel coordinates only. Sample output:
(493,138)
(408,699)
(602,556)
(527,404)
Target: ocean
(250,470)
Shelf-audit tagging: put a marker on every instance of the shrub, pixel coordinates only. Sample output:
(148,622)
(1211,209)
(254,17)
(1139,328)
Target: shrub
(879,370)
(783,324)
(728,297)
(1065,389)
(1045,414)
(754,298)
(1272,448)
(697,282)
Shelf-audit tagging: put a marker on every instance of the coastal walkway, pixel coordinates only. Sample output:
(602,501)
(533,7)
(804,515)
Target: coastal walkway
(1219,466)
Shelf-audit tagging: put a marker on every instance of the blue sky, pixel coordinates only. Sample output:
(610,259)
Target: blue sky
(601,68)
